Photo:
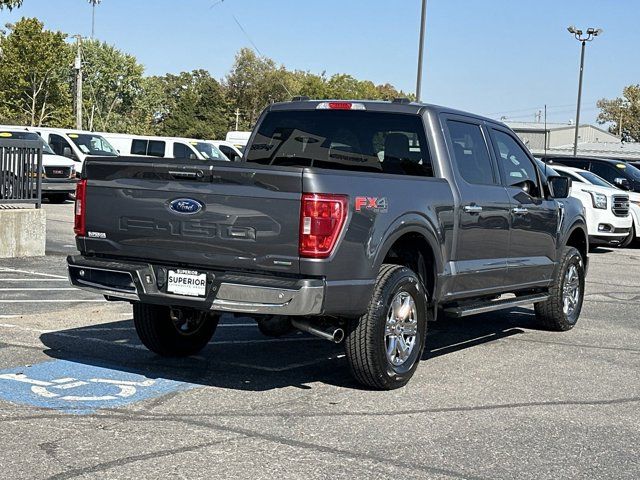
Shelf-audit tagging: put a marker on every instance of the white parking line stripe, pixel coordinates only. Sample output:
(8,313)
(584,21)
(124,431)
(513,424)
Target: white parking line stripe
(270,340)
(51,301)
(14,270)
(36,289)
(9,316)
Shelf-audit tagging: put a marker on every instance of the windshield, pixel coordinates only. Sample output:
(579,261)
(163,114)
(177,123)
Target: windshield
(632,171)
(90,144)
(23,135)
(209,151)
(595,179)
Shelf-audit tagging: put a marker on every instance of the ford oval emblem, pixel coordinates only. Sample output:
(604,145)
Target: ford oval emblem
(187,206)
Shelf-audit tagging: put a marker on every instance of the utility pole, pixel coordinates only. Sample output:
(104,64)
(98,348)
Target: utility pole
(93,16)
(423,25)
(237,118)
(78,74)
(590,35)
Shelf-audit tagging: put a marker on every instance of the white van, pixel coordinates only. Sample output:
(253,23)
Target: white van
(229,149)
(239,139)
(163,147)
(77,145)
(58,175)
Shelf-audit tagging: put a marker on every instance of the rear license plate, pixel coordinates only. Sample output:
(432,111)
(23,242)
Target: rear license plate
(187,282)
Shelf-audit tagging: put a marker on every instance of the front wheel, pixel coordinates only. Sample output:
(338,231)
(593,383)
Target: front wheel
(561,310)
(173,332)
(384,346)
(629,239)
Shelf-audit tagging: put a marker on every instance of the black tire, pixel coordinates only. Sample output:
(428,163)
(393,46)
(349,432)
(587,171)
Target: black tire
(629,239)
(159,331)
(57,197)
(275,326)
(7,187)
(550,313)
(365,343)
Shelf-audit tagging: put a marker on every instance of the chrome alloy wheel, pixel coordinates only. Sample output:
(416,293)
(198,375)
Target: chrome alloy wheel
(401,328)
(571,291)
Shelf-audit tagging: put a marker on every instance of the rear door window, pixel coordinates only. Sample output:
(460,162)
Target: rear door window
(155,148)
(470,153)
(139,147)
(345,140)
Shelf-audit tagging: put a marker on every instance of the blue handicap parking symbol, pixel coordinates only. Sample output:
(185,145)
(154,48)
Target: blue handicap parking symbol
(79,388)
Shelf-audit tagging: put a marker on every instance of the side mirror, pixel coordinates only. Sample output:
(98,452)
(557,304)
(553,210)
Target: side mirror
(559,187)
(622,183)
(236,158)
(192,156)
(66,152)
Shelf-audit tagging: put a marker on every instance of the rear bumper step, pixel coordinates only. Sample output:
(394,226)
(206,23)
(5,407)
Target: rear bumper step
(226,292)
(476,308)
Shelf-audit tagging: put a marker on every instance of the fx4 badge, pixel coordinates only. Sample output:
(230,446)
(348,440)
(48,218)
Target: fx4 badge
(375,204)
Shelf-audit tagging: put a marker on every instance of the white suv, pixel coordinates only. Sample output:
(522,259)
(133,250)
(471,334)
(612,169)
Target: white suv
(609,221)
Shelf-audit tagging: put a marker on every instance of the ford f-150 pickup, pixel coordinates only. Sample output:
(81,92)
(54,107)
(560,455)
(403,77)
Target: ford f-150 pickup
(356,221)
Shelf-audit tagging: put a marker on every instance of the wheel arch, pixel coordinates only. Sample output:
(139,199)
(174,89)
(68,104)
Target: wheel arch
(417,247)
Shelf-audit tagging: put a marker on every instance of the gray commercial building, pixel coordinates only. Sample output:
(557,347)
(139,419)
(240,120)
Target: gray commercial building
(592,141)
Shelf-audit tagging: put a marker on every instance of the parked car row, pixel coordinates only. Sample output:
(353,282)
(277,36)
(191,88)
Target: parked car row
(610,192)
(58,175)
(65,150)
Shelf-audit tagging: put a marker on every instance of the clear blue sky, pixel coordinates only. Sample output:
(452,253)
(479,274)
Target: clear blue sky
(496,57)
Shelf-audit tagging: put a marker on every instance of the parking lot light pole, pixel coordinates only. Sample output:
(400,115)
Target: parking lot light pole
(423,21)
(591,33)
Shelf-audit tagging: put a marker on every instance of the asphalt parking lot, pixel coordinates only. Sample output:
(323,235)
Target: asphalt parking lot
(494,397)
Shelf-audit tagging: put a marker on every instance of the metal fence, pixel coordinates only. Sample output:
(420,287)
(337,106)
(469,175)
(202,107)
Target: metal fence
(20,171)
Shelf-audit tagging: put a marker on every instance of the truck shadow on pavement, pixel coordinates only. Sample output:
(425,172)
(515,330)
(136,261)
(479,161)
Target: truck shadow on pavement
(243,359)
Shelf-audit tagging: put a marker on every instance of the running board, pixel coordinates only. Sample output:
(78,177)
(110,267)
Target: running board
(475,308)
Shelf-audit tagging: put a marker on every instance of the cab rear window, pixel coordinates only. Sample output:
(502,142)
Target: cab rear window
(344,140)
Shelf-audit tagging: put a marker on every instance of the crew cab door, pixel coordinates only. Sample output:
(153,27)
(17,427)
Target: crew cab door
(534,219)
(481,245)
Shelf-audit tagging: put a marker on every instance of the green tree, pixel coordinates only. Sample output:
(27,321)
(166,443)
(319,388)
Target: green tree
(10,4)
(112,85)
(190,104)
(34,75)
(623,113)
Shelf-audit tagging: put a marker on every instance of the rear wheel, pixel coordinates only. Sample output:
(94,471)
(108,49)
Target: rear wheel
(384,346)
(561,311)
(173,332)
(57,197)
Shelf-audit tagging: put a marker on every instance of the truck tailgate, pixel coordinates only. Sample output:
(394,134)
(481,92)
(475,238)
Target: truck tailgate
(214,214)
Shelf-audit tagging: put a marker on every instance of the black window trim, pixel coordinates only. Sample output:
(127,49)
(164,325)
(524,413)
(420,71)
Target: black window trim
(491,128)
(445,117)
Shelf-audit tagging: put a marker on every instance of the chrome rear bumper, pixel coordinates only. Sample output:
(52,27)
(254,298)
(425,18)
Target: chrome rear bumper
(137,282)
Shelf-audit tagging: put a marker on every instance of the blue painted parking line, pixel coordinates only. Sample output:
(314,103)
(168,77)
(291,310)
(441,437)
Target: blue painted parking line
(79,388)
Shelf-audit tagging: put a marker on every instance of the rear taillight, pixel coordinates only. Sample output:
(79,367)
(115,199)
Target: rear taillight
(322,217)
(79,223)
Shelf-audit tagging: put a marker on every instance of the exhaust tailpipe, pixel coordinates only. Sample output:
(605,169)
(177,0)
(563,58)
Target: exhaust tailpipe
(335,335)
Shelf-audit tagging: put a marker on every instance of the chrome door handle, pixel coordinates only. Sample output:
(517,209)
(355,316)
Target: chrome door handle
(520,210)
(472,208)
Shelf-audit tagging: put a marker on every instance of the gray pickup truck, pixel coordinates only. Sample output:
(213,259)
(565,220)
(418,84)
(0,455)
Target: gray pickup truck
(356,221)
